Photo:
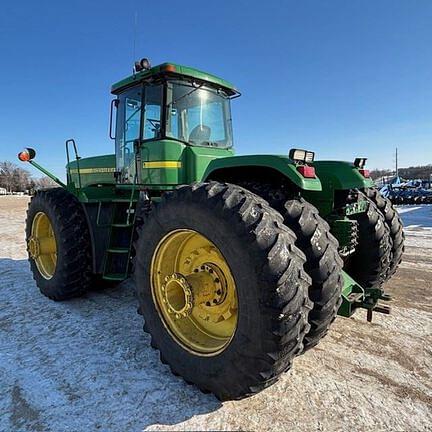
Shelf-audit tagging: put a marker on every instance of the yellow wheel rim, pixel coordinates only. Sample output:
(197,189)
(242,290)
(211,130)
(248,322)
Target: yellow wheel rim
(42,245)
(194,292)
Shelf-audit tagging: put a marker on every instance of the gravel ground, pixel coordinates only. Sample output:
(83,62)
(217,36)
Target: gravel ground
(86,365)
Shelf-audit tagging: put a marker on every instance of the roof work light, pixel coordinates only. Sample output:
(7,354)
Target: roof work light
(360,162)
(299,155)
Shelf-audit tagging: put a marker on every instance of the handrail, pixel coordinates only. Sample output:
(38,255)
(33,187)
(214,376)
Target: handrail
(77,158)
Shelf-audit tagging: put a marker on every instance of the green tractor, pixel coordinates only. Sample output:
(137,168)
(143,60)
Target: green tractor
(240,263)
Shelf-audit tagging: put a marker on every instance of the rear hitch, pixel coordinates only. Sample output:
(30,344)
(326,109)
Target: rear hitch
(354,297)
(377,308)
(380,308)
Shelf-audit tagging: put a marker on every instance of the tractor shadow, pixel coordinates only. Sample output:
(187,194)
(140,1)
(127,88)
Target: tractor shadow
(83,364)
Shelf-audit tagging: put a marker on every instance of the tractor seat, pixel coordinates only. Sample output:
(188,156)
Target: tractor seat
(200,134)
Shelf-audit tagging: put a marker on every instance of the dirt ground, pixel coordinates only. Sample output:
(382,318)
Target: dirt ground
(86,365)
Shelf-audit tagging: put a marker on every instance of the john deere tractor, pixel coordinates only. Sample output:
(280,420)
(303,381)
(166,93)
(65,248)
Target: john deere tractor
(240,263)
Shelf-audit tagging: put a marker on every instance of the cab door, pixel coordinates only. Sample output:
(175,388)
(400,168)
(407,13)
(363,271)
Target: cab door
(139,125)
(128,130)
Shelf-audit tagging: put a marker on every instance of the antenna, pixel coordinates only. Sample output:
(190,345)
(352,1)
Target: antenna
(135,37)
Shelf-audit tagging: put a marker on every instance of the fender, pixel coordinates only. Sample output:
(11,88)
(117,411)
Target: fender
(335,175)
(341,175)
(228,167)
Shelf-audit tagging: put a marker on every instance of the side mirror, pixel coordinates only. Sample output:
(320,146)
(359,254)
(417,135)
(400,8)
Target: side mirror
(114,104)
(27,155)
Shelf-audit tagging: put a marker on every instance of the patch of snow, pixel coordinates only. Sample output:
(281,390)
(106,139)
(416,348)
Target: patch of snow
(86,365)
(416,216)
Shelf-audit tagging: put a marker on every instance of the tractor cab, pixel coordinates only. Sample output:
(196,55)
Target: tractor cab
(160,112)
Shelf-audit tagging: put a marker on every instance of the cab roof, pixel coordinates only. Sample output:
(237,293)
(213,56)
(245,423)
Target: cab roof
(172,69)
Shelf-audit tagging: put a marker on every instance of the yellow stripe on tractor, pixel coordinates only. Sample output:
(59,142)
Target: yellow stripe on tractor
(162,164)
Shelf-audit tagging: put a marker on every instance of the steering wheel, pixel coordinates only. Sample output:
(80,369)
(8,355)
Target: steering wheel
(200,134)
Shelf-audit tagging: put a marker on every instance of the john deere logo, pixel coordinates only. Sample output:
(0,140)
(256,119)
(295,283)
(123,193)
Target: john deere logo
(92,170)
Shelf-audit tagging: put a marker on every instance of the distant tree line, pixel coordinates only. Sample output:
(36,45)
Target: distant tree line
(417,172)
(16,179)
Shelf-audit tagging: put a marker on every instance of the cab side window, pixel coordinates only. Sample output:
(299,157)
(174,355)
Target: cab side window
(152,112)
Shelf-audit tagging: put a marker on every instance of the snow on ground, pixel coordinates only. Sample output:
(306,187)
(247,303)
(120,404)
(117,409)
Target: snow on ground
(86,365)
(418,229)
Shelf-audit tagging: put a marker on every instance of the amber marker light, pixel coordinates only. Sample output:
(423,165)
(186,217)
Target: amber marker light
(169,68)
(26,155)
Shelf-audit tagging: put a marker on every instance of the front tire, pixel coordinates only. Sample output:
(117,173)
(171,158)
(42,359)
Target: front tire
(229,230)
(58,242)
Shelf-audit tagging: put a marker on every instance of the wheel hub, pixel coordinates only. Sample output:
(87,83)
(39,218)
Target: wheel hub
(42,246)
(33,246)
(194,291)
(210,292)
(177,295)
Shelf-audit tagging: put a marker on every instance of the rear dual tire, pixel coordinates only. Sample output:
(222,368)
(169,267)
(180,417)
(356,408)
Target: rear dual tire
(394,223)
(271,287)
(323,263)
(370,263)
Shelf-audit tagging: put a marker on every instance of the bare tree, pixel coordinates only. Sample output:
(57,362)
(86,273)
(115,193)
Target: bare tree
(13,178)
(44,183)
(417,172)
(21,180)
(6,175)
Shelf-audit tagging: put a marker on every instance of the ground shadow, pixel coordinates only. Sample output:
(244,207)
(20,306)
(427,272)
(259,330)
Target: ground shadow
(84,364)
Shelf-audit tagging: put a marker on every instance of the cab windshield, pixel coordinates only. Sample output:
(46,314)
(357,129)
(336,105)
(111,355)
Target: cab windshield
(198,115)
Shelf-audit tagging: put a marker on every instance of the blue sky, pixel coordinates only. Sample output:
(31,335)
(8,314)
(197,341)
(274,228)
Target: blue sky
(342,78)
